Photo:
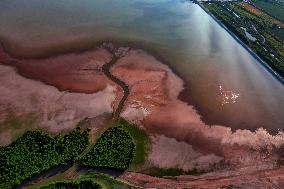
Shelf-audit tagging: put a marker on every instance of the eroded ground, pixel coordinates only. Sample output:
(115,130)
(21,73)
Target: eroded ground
(222,180)
(67,88)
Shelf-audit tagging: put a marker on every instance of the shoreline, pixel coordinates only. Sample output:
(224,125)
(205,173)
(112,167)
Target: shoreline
(251,52)
(107,71)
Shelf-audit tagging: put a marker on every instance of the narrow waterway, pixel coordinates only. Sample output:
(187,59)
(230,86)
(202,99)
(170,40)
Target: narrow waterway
(106,69)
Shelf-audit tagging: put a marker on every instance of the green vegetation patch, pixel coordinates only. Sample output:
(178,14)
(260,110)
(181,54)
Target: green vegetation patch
(278,32)
(89,181)
(76,184)
(141,141)
(17,125)
(271,7)
(114,150)
(106,181)
(159,172)
(35,152)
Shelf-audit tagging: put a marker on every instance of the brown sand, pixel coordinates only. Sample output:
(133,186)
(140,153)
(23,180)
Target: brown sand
(273,179)
(169,153)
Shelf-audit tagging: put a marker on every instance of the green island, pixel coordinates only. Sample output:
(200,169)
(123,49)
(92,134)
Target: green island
(261,32)
(114,150)
(122,147)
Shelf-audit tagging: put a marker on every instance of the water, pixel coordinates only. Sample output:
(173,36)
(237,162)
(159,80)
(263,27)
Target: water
(248,35)
(223,81)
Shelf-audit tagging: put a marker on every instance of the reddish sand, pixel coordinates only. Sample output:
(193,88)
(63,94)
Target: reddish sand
(149,81)
(153,103)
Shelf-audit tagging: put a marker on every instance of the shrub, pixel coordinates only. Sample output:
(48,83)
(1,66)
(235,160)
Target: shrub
(35,152)
(114,150)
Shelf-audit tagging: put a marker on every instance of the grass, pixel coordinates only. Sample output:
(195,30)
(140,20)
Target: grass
(75,184)
(141,141)
(18,122)
(278,32)
(105,181)
(15,126)
(161,172)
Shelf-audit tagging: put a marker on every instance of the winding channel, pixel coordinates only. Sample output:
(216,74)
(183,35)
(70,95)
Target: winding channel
(116,114)
(106,69)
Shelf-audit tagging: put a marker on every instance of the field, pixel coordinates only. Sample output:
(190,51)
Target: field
(279,33)
(251,9)
(271,7)
(272,11)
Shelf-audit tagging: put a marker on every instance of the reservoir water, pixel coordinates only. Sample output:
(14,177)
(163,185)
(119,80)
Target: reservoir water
(225,83)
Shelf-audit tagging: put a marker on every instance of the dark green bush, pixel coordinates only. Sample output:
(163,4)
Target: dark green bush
(114,150)
(35,152)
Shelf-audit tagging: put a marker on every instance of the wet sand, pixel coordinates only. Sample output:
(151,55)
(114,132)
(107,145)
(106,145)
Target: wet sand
(152,104)
(50,109)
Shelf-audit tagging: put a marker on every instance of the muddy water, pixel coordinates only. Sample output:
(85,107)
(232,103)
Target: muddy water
(223,81)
